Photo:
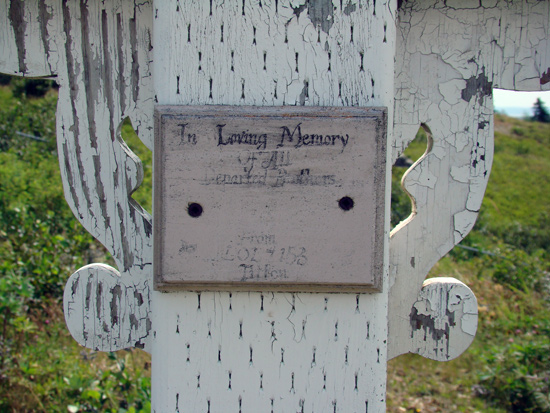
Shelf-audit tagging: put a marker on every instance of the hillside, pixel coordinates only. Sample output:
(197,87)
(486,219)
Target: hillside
(506,264)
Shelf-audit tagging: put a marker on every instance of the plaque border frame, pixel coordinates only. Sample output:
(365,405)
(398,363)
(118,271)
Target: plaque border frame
(379,114)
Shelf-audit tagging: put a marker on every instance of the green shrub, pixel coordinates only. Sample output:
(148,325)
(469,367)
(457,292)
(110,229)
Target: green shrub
(5,79)
(31,87)
(94,394)
(15,291)
(28,125)
(527,237)
(517,376)
(519,131)
(520,270)
(40,248)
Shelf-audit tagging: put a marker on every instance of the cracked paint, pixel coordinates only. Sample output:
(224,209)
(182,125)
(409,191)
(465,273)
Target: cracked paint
(449,58)
(284,57)
(320,12)
(444,319)
(478,86)
(461,173)
(107,48)
(19,24)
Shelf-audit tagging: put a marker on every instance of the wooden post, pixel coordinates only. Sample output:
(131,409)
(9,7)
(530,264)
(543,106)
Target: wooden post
(271,351)
(426,62)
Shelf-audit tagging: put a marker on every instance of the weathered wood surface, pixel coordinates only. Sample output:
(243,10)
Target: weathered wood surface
(300,351)
(99,54)
(444,316)
(449,57)
(310,352)
(272,351)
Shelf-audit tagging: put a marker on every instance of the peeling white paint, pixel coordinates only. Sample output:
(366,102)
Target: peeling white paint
(461,173)
(443,319)
(463,223)
(333,350)
(418,176)
(100,55)
(451,92)
(449,57)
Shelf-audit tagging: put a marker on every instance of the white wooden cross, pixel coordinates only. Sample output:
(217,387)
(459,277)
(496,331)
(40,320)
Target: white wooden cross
(431,63)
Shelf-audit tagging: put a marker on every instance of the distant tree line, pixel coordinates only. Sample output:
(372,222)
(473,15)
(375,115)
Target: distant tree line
(540,113)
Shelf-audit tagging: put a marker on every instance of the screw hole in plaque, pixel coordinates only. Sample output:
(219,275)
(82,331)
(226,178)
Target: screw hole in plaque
(346,203)
(194,210)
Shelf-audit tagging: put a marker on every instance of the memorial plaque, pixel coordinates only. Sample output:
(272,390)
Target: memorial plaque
(286,198)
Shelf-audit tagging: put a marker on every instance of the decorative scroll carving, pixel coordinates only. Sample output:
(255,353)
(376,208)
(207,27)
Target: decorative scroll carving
(99,53)
(448,59)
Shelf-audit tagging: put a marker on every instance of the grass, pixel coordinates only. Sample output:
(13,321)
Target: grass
(519,187)
(507,318)
(54,373)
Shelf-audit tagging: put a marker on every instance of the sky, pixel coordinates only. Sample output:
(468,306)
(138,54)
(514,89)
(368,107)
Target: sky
(518,103)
